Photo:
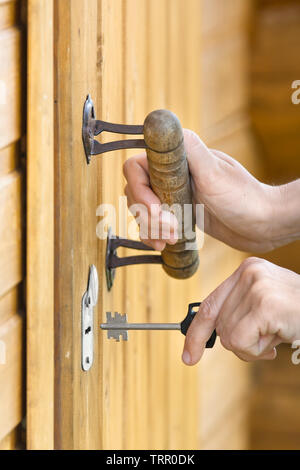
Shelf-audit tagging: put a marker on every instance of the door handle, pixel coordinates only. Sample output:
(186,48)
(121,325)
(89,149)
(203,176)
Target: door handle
(169,179)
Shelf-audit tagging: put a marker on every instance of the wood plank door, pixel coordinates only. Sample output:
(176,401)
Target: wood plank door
(77,393)
(131,56)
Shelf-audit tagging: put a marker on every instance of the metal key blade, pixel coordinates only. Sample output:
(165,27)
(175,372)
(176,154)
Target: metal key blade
(117,326)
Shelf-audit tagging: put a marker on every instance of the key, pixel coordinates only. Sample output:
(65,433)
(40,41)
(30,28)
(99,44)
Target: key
(117,325)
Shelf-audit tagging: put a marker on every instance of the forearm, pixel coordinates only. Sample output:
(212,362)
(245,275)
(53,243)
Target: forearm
(286,213)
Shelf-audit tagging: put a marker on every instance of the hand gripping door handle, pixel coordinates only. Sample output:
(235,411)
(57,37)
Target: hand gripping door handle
(169,179)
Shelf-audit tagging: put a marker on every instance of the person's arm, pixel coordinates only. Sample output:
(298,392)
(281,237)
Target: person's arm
(239,210)
(286,220)
(258,306)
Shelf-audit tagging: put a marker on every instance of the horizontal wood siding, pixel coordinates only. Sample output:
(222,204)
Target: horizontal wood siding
(11,231)
(10,86)
(11,396)
(12,223)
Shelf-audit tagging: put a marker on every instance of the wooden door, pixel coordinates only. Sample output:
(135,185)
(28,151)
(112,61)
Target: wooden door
(132,56)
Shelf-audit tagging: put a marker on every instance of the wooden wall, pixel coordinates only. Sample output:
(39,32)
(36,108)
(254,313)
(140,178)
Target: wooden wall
(12,130)
(196,66)
(145,387)
(224,115)
(276,120)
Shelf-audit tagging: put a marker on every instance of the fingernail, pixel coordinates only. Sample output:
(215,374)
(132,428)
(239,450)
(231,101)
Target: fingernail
(186,357)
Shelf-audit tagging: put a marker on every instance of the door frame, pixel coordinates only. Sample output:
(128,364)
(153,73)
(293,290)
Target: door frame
(63,402)
(40,226)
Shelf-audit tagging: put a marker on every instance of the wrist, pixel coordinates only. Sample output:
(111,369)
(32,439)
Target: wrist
(284,213)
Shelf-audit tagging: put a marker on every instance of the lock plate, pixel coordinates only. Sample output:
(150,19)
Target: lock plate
(88,302)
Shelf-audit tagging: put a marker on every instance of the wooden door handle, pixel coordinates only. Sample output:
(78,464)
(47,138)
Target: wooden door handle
(170,181)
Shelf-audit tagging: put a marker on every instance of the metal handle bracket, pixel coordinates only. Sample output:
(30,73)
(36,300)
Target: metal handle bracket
(92,127)
(113,261)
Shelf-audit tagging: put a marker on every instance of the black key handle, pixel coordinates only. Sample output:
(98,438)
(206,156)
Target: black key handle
(185,324)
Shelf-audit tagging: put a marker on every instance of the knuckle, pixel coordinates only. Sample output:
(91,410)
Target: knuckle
(247,275)
(207,308)
(249,261)
(236,341)
(252,260)
(253,268)
(263,298)
(260,289)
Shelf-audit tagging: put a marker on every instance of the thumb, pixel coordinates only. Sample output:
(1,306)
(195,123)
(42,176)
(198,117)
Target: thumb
(200,157)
